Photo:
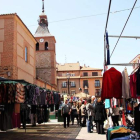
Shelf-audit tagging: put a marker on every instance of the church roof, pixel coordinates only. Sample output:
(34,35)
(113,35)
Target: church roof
(42,31)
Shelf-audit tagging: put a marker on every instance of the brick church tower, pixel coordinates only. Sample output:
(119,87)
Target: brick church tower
(45,51)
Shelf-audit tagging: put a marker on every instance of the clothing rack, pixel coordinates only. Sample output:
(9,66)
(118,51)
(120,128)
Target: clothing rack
(135,69)
(124,64)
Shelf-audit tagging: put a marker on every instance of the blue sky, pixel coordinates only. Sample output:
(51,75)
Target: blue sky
(82,39)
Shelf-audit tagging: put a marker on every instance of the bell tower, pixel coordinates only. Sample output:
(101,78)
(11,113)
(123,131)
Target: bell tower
(45,51)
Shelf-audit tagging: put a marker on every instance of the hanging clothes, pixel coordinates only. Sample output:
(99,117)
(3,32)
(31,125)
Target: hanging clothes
(20,93)
(107,103)
(137,118)
(112,84)
(133,85)
(123,119)
(125,85)
(138,82)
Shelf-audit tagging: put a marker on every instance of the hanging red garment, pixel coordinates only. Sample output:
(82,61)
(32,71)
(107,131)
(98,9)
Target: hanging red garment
(133,86)
(123,119)
(112,84)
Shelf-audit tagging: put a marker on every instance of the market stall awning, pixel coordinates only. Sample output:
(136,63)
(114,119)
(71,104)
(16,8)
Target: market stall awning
(81,95)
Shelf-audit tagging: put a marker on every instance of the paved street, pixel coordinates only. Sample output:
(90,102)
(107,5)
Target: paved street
(90,136)
(42,132)
(51,131)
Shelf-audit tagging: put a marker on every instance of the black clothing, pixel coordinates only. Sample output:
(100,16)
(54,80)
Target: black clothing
(138,82)
(79,117)
(115,120)
(66,115)
(33,109)
(100,112)
(83,123)
(74,116)
(51,106)
(100,117)
(137,118)
(100,129)
(56,106)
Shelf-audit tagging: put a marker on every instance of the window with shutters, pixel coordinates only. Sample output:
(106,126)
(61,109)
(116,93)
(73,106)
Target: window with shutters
(64,84)
(85,74)
(72,74)
(73,84)
(94,73)
(85,83)
(97,83)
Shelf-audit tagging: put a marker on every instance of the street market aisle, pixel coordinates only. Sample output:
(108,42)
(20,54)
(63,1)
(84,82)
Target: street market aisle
(84,135)
(42,132)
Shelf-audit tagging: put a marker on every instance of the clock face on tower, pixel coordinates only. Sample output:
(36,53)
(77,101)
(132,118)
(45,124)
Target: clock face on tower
(41,40)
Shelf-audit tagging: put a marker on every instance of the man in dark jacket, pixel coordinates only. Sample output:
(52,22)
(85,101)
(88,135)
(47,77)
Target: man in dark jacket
(65,112)
(100,116)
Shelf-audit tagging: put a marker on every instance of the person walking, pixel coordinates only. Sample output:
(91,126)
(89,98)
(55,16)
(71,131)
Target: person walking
(83,114)
(93,100)
(74,113)
(100,116)
(89,109)
(65,112)
(79,111)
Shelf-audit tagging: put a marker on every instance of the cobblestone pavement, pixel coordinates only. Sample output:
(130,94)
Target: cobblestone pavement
(42,132)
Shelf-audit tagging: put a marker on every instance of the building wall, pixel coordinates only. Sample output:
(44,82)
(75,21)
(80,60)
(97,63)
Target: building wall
(46,60)
(14,37)
(91,83)
(61,89)
(64,73)
(79,81)
(26,70)
(90,72)
(6,45)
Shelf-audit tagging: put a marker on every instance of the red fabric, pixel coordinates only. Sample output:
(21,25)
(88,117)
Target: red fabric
(112,84)
(16,120)
(133,86)
(123,119)
(129,107)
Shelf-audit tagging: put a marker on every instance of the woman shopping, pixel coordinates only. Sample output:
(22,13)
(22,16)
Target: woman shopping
(74,113)
(100,116)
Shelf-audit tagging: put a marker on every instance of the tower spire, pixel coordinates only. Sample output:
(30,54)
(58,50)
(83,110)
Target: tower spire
(43,6)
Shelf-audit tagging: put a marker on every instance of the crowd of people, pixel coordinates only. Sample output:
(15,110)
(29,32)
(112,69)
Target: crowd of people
(89,112)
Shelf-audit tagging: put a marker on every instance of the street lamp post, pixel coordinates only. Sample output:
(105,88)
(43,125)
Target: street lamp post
(68,77)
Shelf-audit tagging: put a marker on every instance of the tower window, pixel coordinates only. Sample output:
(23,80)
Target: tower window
(37,46)
(46,45)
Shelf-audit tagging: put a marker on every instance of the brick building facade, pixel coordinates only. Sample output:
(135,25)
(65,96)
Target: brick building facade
(85,79)
(16,43)
(24,56)
(45,52)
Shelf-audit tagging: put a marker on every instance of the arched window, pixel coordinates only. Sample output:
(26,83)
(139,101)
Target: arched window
(37,46)
(46,45)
